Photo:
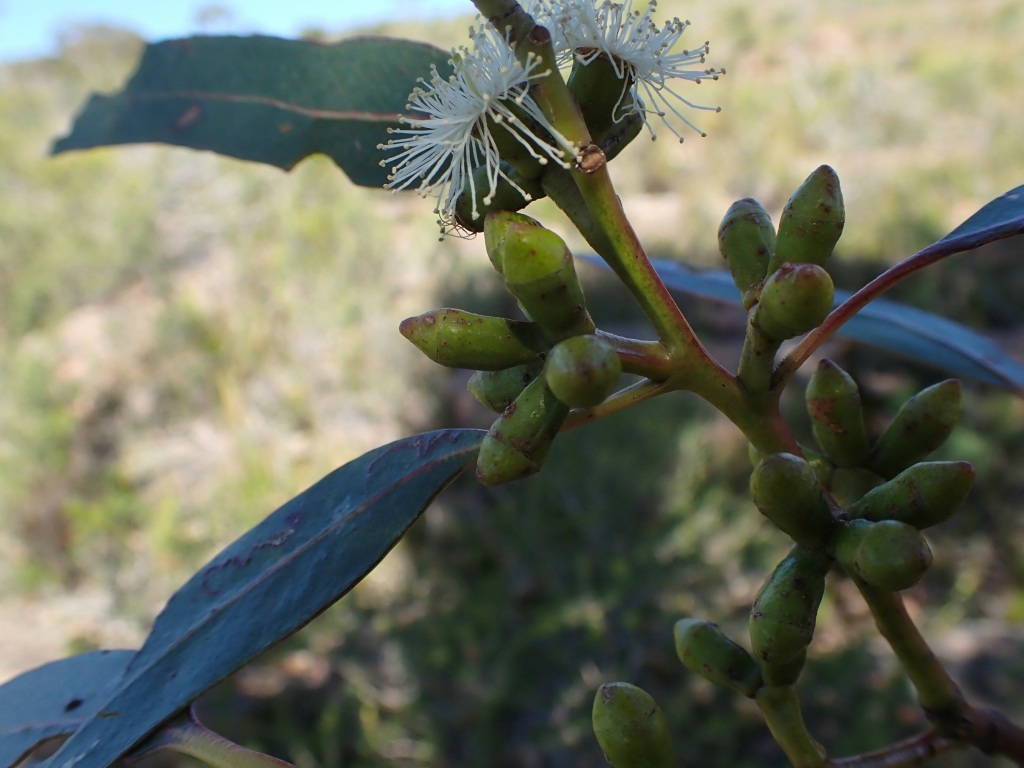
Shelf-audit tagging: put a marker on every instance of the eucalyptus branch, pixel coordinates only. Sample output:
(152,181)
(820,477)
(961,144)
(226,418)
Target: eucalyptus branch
(940,697)
(936,690)
(903,754)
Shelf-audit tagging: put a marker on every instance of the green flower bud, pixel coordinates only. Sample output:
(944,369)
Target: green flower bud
(786,490)
(848,484)
(582,371)
(458,339)
(746,240)
(784,612)
(599,92)
(497,389)
(620,135)
(921,425)
(811,222)
(539,271)
(498,226)
(794,300)
(924,495)
(518,441)
(707,650)
(513,193)
(508,134)
(833,402)
(631,728)
(888,554)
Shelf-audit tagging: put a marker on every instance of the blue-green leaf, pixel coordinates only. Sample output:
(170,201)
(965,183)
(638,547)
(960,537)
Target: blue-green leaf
(932,340)
(913,333)
(1003,217)
(264,99)
(54,700)
(269,583)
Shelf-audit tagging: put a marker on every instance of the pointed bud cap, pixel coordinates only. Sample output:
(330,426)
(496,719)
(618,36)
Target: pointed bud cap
(539,271)
(921,425)
(458,339)
(519,439)
(784,614)
(923,495)
(706,650)
(811,222)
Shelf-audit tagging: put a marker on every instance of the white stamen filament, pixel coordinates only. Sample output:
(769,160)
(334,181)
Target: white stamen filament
(440,152)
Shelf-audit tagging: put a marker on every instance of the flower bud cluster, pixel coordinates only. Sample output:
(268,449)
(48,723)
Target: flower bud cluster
(781,275)
(860,503)
(530,372)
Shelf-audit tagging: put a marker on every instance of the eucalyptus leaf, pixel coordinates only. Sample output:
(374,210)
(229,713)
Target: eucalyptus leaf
(1003,217)
(264,99)
(269,583)
(54,700)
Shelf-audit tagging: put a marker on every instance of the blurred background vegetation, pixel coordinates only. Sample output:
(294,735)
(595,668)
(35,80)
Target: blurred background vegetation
(186,342)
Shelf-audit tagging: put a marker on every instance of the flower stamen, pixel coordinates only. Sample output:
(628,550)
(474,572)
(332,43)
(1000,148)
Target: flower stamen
(465,119)
(640,53)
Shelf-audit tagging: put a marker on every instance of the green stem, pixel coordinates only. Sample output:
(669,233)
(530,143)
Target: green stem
(620,401)
(935,688)
(624,254)
(952,715)
(757,359)
(781,709)
(756,414)
(640,358)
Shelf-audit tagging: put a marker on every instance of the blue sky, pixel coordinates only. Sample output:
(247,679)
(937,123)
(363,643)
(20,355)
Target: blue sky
(29,28)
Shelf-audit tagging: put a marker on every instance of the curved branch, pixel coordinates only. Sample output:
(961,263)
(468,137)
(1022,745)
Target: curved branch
(945,706)
(903,754)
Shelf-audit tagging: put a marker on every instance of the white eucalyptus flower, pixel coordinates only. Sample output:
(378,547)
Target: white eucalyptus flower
(439,152)
(643,56)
